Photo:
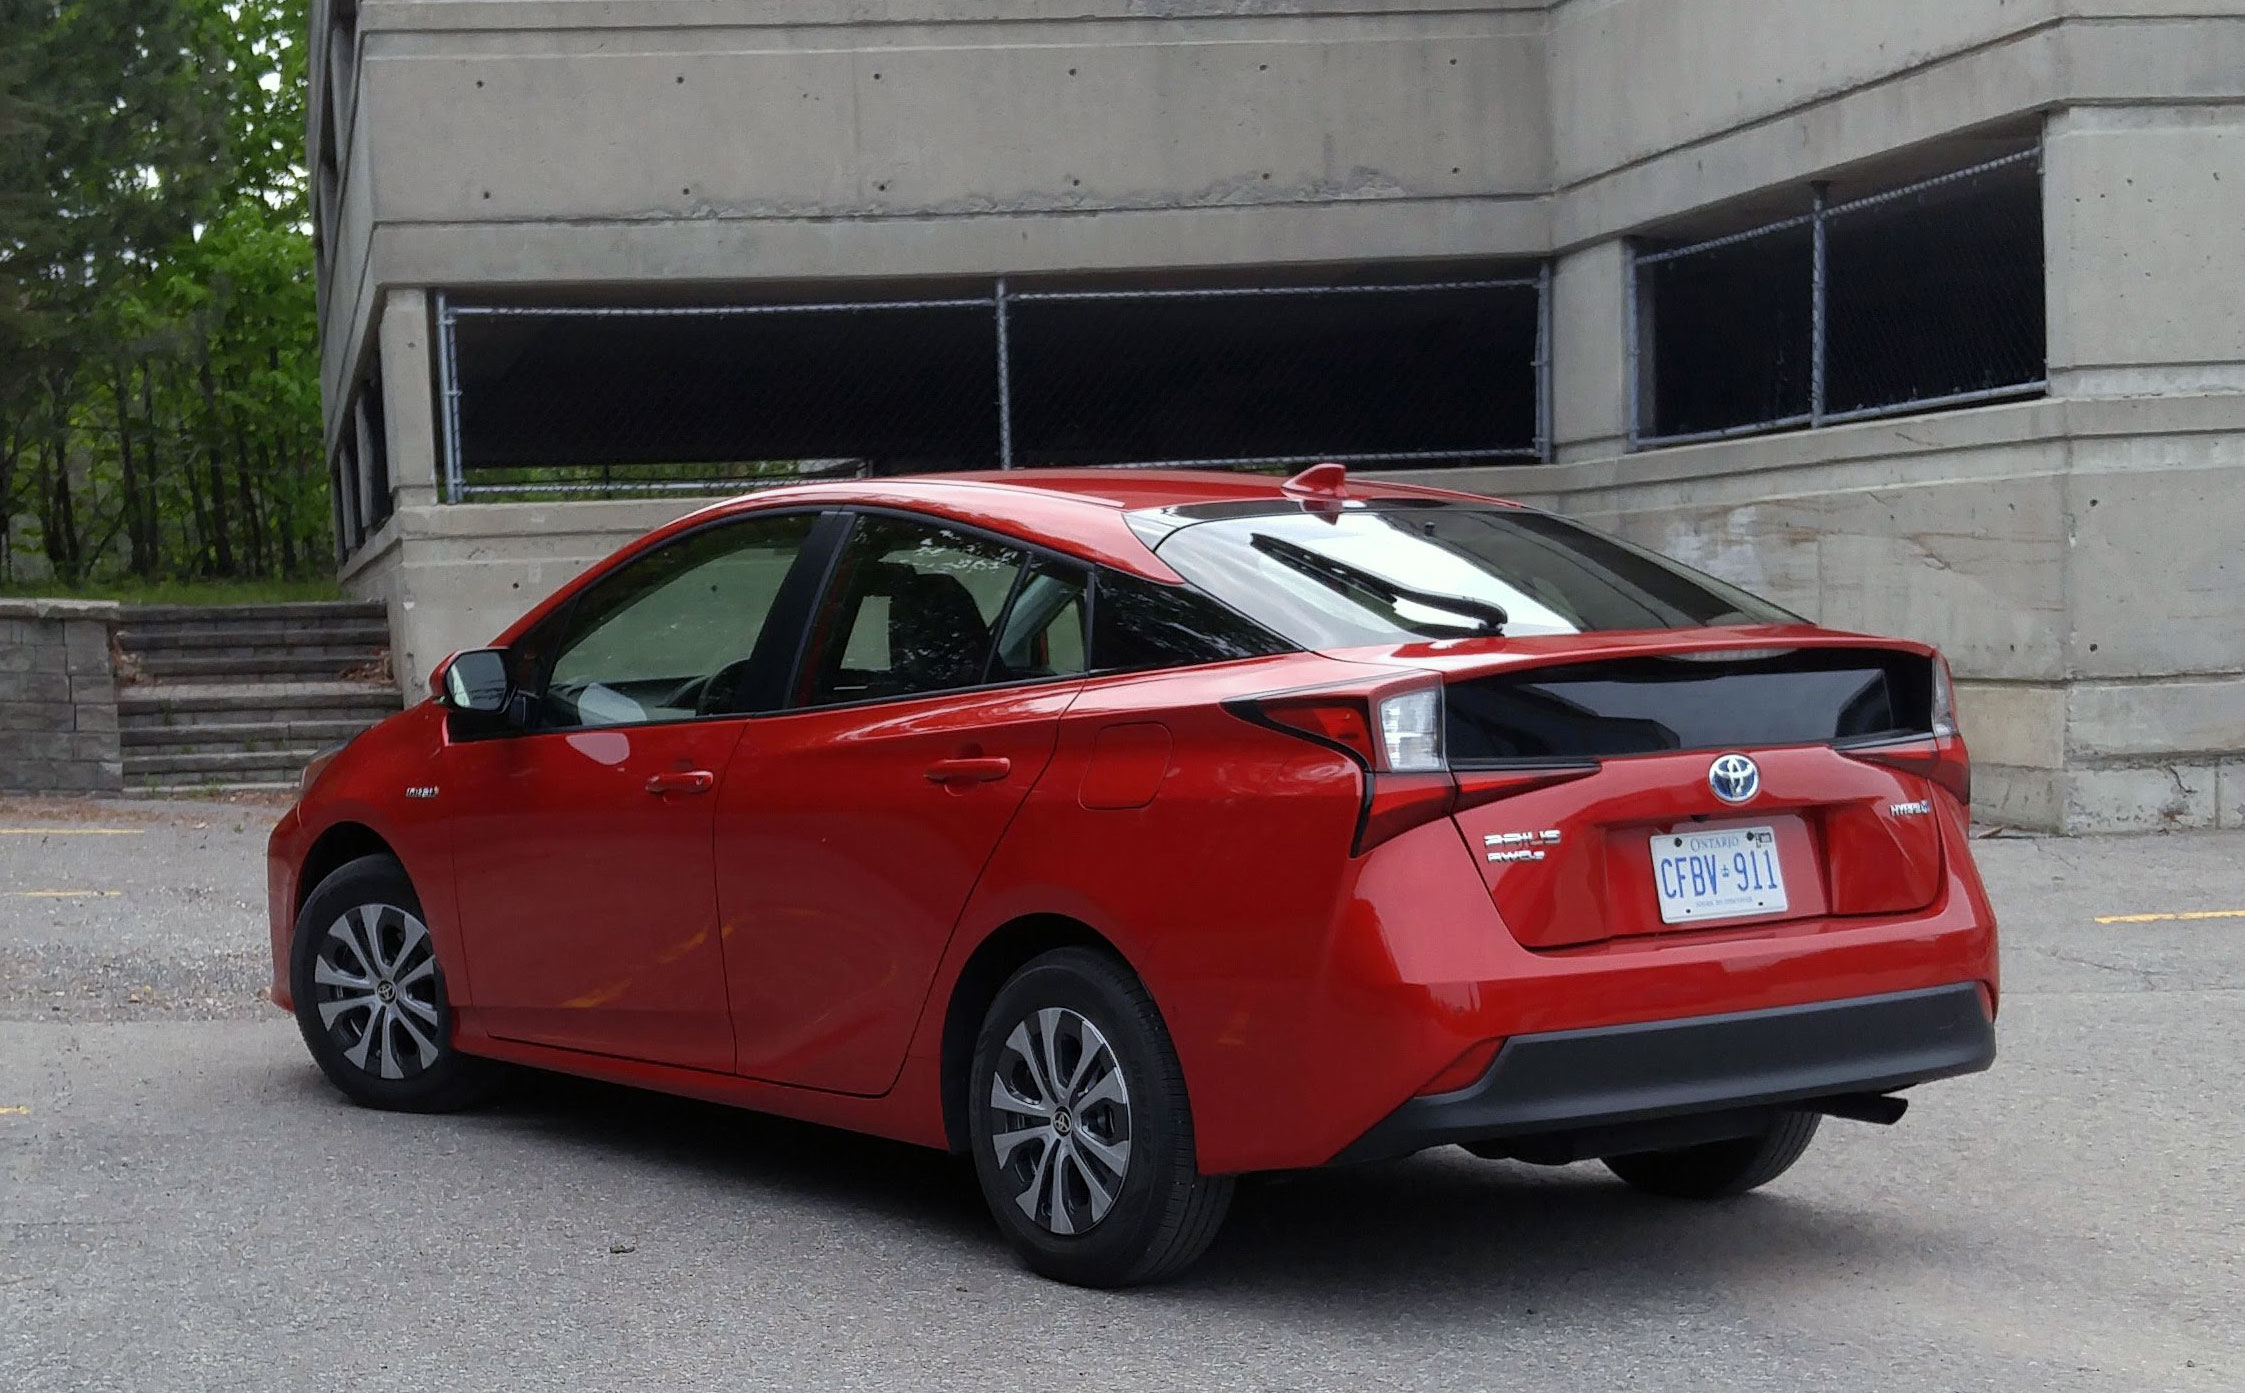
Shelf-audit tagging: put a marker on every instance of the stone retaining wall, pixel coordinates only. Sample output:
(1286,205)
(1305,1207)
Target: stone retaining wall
(58,698)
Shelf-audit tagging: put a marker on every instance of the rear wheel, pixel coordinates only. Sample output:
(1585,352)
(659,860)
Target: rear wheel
(1082,1134)
(370,996)
(1714,1169)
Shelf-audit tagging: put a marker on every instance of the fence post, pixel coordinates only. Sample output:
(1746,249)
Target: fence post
(1821,193)
(448,385)
(1543,363)
(1630,292)
(1005,382)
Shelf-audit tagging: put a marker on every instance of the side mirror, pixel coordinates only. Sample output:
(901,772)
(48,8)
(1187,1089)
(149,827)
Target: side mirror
(475,680)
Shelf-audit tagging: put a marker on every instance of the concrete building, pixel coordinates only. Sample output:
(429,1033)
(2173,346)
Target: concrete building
(2063,523)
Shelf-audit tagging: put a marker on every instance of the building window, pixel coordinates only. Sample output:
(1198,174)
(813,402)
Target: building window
(1372,366)
(374,451)
(1870,301)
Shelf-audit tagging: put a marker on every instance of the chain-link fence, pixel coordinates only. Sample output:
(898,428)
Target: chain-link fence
(1915,298)
(542,400)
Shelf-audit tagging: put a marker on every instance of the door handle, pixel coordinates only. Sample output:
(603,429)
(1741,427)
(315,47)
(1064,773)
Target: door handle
(975,770)
(690,781)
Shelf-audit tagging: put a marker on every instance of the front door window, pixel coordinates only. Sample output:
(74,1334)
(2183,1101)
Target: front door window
(671,635)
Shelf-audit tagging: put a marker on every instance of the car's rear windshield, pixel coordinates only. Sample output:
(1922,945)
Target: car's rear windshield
(1374,573)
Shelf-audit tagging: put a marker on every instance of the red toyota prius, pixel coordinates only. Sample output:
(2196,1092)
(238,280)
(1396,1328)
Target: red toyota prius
(1133,831)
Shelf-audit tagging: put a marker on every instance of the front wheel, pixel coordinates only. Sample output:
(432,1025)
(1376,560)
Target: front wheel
(370,996)
(1715,1169)
(1082,1133)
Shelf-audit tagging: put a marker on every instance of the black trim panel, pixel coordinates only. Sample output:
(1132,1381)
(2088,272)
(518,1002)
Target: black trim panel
(1579,1080)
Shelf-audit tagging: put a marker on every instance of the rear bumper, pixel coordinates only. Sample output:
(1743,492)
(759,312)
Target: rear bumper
(1568,1082)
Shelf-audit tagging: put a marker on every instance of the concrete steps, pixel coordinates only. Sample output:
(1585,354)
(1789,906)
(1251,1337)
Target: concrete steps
(311,662)
(209,737)
(237,698)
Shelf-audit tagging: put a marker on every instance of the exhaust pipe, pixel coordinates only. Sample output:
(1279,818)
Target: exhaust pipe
(1858,1107)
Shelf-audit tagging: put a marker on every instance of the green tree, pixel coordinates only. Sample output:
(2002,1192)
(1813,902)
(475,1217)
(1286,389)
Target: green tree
(159,405)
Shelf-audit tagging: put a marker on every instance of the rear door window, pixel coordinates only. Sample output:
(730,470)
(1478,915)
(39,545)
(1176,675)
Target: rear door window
(1392,574)
(1043,633)
(1139,625)
(916,607)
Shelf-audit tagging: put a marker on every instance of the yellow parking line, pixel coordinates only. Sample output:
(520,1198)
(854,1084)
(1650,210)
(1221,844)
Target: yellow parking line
(15,1110)
(63,894)
(2168,918)
(71,831)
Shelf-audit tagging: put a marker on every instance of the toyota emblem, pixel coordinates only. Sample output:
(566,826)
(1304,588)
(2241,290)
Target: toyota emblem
(1735,778)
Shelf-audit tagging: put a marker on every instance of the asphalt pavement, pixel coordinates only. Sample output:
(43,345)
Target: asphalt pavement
(185,1204)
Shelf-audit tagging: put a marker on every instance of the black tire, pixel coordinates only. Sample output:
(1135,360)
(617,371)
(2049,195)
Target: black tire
(1164,1213)
(410,1065)
(1713,1170)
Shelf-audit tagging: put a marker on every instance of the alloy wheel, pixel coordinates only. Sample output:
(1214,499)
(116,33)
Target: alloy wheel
(1060,1120)
(375,984)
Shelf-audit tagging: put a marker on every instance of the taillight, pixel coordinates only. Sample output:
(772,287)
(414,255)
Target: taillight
(1328,719)
(1393,732)
(1944,701)
(1943,758)
(1411,730)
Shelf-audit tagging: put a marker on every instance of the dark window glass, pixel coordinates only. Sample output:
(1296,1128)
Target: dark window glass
(1381,575)
(1938,293)
(1112,381)
(663,635)
(570,398)
(1729,334)
(1042,634)
(1931,292)
(1633,706)
(1138,624)
(911,609)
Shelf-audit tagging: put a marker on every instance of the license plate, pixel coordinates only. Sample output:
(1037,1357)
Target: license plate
(1727,874)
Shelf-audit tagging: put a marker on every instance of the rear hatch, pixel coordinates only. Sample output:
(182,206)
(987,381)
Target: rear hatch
(1598,701)
(1634,834)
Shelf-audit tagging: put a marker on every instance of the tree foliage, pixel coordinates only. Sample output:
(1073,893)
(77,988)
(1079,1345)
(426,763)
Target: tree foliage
(159,395)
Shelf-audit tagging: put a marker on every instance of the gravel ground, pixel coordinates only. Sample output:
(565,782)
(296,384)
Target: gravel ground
(185,1204)
(116,910)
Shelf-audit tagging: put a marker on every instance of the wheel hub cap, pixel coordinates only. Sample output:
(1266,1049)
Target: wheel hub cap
(1060,1120)
(374,983)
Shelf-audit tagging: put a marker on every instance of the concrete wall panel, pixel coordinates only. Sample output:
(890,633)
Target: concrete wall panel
(1773,549)
(732,251)
(2015,724)
(2159,798)
(2155,720)
(347,326)
(1976,568)
(2157,580)
(1590,359)
(1634,78)
(2229,793)
(2012,797)
(1060,117)
(2143,211)
(409,397)
(455,576)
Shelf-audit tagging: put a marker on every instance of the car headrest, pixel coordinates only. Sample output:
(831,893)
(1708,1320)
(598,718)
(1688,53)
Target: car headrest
(937,638)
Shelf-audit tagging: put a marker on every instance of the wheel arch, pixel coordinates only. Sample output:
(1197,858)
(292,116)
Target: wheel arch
(335,848)
(1004,952)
